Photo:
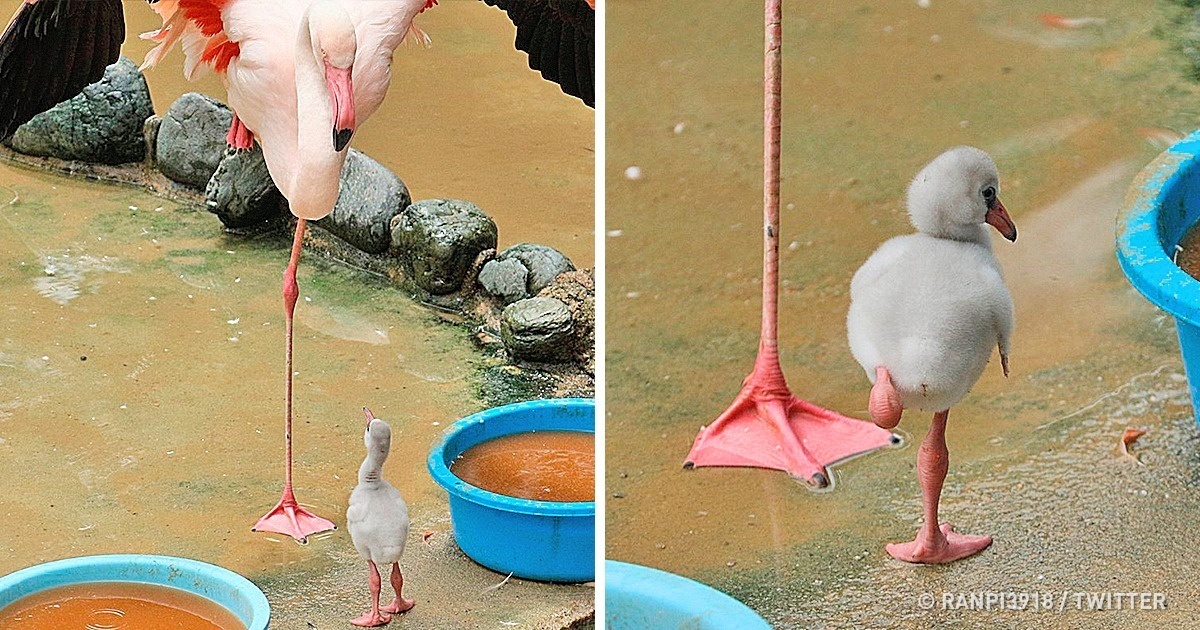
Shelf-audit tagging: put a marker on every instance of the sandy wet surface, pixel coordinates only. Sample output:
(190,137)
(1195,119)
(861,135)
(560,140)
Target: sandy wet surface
(872,91)
(141,349)
(141,410)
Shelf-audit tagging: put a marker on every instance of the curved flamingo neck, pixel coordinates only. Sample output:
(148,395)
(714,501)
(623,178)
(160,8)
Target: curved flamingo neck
(313,188)
(371,470)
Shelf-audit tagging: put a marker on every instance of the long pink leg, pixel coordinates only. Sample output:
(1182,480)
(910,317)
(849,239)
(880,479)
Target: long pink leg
(287,517)
(767,426)
(373,617)
(936,544)
(399,604)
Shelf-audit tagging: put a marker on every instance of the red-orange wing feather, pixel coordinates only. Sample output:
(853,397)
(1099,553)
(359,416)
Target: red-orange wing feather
(205,16)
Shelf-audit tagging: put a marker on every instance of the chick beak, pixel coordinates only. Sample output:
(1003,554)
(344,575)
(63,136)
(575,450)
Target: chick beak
(997,217)
(370,416)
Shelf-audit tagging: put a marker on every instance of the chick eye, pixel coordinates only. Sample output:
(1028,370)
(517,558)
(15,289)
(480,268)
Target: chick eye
(989,193)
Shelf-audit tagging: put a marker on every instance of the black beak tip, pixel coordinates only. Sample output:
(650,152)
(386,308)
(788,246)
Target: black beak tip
(1012,237)
(341,138)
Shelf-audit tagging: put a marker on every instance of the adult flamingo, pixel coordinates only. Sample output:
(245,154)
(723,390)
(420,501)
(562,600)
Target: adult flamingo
(301,76)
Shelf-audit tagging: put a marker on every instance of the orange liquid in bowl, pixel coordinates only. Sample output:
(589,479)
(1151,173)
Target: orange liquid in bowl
(540,465)
(116,606)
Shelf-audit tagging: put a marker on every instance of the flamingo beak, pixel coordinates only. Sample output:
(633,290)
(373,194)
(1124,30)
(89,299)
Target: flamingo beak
(370,416)
(341,93)
(997,217)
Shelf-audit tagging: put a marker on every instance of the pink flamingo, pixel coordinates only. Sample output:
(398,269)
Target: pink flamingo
(301,75)
(767,426)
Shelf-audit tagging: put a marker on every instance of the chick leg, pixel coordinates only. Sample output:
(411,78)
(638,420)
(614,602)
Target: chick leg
(373,617)
(936,544)
(399,604)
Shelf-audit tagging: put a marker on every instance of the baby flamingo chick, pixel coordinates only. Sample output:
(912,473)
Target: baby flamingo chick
(378,522)
(925,311)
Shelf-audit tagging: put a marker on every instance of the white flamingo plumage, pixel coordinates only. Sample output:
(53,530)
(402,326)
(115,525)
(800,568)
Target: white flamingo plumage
(378,522)
(926,309)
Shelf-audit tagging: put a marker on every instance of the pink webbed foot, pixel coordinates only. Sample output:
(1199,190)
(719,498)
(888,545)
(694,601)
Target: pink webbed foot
(768,427)
(399,606)
(371,619)
(941,546)
(790,435)
(292,520)
(885,405)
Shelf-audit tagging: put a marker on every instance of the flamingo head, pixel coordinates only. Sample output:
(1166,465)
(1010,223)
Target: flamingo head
(378,435)
(957,192)
(335,44)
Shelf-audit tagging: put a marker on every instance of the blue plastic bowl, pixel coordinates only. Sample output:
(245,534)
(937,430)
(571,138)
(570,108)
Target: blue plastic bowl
(638,597)
(1162,203)
(232,591)
(537,540)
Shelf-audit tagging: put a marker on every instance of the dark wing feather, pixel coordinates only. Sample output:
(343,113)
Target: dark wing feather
(560,38)
(51,51)
(585,65)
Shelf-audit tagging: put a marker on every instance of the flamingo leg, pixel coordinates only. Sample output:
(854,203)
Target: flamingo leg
(936,543)
(399,604)
(767,426)
(885,404)
(239,137)
(287,517)
(373,617)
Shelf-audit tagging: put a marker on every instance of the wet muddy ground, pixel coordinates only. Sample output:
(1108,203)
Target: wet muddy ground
(141,350)
(141,412)
(872,91)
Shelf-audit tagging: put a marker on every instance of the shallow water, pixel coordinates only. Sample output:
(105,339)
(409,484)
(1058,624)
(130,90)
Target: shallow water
(145,397)
(455,117)
(144,413)
(872,91)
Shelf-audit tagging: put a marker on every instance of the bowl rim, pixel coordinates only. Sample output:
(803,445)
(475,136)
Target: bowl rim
(260,610)
(1140,251)
(719,609)
(440,470)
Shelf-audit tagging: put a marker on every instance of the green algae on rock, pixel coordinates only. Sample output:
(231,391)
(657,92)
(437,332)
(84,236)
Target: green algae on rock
(102,124)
